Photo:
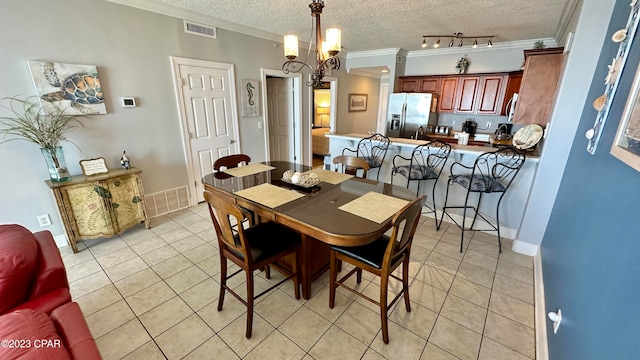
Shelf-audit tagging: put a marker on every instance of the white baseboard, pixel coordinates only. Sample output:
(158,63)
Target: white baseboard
(525,248)
(61,240)
(542,346)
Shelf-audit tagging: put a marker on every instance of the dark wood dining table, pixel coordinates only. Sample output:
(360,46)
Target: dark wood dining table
(315,215)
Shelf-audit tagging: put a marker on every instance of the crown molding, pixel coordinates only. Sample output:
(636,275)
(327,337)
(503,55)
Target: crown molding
(171,11)
(379,52)
(521,44)
(567,14)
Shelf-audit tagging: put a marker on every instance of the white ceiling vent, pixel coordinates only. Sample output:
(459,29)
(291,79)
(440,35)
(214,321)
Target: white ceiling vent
(194,28)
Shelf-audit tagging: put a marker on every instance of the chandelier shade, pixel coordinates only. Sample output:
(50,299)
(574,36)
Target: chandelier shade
(326,51)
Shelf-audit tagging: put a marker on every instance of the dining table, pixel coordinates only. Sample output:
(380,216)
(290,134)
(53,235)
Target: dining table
(340,210)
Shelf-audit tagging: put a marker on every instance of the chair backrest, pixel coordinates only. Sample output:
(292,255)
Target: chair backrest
(351,164)
(430,158)
(230,161)
(224,214)
(373,149)
(498,169)
(404,223)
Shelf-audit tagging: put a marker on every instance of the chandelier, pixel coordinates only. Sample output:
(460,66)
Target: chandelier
(326,51)
(457,36)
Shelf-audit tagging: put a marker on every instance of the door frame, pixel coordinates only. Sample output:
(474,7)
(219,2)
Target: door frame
(296,100)
(333,110)
(176,62)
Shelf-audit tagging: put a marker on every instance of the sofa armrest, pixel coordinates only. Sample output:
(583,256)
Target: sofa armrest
(74,331)
(51,273)
(47,302)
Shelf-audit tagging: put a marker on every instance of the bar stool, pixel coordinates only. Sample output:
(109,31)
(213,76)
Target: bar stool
(426,163)
(492,172)
(373,149)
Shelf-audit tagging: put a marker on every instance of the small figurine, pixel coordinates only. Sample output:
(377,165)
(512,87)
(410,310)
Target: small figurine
(124,161)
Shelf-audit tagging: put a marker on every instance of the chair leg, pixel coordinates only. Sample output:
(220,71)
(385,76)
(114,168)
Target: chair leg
(223,280)
(405,282)
(498,224)
(444,207)
(433,198)
(464,218)
(333,274)
(359,276)
(384,282)
(477,210)
(249,304)
(267,272)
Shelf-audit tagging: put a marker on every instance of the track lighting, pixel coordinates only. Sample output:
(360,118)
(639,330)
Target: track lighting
(460,37)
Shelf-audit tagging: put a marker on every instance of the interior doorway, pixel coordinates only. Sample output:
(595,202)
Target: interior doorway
(206,98)
(323,105)
(282,109)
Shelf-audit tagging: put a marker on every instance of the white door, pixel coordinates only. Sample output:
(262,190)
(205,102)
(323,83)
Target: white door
(206,95)
(280,117)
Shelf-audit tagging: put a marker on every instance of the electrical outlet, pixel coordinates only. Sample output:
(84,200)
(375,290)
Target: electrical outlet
(488,124)
(44,220)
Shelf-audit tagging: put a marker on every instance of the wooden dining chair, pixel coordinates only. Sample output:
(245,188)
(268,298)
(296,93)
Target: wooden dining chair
(380,257)
(351,164)
(250,249)
(230,161)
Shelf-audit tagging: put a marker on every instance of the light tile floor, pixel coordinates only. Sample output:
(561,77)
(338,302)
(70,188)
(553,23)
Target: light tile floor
(152,294)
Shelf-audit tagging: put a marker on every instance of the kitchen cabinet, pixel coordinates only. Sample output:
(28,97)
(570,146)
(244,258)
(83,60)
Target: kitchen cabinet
(466,94)
(513,87)
(491,94)
(537,90)
(100,205)
(422,84)
(447,94)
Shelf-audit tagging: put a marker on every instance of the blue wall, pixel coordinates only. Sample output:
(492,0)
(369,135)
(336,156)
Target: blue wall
(591,249)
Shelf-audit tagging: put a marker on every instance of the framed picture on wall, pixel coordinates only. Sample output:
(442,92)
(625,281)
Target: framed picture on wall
(358,102)
(626,145)
(250,98)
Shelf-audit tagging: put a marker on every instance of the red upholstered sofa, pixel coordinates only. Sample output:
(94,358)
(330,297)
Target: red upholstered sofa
(37,318)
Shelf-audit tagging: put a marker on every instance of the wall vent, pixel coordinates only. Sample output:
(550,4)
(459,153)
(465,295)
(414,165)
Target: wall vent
(167,201)
(191,27)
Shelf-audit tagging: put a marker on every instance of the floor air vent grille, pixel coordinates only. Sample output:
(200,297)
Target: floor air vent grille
(167,201)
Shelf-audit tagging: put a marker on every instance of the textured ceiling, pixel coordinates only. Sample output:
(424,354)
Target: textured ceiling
(371,25)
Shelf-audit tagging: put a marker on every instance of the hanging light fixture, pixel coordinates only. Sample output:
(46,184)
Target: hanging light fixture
(326,51)
(457,36)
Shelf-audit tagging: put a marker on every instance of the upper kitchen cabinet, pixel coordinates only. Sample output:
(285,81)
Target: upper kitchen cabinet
(422,84)
(513,87)
(448,94)
(539,81)
(467,93)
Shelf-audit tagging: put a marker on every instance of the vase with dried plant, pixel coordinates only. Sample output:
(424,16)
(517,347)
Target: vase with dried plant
(28,120)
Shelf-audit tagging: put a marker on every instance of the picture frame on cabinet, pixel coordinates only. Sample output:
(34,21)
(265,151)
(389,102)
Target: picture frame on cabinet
(357,102)
(626,145)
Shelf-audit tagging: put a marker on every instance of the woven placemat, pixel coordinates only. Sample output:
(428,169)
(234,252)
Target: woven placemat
(374,206)
(330,177)
(248,170)
(269,195)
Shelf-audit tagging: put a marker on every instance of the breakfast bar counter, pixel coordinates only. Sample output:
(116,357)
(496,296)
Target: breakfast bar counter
(512,207)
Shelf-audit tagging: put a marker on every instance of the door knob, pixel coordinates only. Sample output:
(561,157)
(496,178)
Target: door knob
(232,141)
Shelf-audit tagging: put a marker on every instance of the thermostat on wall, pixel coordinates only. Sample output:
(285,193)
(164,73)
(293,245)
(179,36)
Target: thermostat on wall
(128,101)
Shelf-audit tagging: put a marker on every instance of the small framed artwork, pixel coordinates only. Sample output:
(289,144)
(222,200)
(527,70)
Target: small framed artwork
(626,145)
(250,98)
(357,102)
(93,166)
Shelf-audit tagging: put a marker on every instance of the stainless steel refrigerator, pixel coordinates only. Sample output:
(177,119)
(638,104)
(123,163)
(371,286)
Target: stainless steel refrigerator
(408,111)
